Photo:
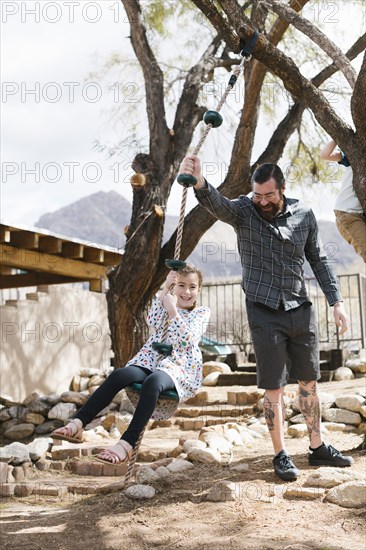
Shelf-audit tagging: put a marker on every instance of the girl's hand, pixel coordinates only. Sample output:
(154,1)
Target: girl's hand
(170,304)
(172,279)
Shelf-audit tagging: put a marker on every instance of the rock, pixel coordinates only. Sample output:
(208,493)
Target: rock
(362,410)
(18,474)
(84,383)
(308,493)
(19,431)
(243,467)
(121,420)
(297,430)
(140,492)
(343,373)
(258,428)
(327,400)
(16,412)
(297,419)
(338,427)
(32,397)
(330,477)
(356,365)
(75,383)
(15,453)
(206,456)
(342,415)
(88,372)
(215,366)
(52,399)
(179,465)
(74,397)
(351,494)
(43,464)
(162,471)
(361,428)
(125,405)
(201,398)
(217,442)
(33,418)
(114,432)
(223,491)
(62,411)
(233,437)
(193,444)
(5,415)
(260,405)
(96,380)
(147,456)
(39,406)
(4,470)
(178,450)
(351,402)
(7,401)
(247,437)
(48,426)
(39,447)
(211,379)
(145,475)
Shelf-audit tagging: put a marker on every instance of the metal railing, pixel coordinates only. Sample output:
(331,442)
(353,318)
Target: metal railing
(229,324)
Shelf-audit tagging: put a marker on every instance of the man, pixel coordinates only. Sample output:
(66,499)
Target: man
(350,217)
(275,235)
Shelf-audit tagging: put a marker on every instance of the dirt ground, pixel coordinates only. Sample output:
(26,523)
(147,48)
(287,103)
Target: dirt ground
(179,516)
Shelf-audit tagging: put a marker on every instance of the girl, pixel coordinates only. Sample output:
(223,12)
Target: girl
(181,371)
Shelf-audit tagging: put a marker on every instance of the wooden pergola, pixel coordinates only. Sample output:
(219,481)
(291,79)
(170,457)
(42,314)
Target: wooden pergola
(31,257)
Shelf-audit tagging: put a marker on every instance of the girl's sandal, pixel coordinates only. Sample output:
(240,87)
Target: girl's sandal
(108,456)
(68,434)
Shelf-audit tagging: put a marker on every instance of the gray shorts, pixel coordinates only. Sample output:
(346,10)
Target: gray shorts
(285,344)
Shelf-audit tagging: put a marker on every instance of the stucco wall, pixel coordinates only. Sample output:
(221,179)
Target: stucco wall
(44,343)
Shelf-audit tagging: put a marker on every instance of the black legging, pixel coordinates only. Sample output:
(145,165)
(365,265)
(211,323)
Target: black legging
(153,384)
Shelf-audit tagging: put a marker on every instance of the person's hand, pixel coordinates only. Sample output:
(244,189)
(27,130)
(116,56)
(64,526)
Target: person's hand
(172,279)
(170,304)
(192,165)
(340,317)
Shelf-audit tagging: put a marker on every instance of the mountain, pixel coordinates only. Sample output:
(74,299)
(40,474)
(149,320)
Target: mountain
(100,218)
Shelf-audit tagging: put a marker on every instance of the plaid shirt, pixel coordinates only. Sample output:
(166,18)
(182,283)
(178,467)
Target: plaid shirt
(273,253)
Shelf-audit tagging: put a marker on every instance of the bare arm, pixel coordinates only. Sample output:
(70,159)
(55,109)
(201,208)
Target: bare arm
(328,153)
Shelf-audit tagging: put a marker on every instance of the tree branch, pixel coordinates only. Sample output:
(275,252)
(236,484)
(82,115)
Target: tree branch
(154,82)
(198,220)
(285,68)
(358,102)
(316,35)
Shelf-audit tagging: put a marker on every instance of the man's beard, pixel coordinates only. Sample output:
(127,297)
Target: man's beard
(271,211)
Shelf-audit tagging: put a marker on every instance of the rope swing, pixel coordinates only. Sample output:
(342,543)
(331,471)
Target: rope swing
(212,119)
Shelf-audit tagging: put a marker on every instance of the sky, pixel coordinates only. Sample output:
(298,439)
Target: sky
(54,109)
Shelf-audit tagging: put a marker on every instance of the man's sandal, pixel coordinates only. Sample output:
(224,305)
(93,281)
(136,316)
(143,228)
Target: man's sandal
(109,456)
(67,433)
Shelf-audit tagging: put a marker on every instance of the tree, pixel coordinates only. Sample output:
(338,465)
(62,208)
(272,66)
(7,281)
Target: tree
(138,276)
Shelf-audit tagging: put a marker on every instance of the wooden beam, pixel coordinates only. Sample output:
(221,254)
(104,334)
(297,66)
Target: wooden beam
(112,258)
(5,270)
(37,261)
(96,285)
(34,279)
(4,234)
(72,250)
(94,255)
(24,239)
(50,245)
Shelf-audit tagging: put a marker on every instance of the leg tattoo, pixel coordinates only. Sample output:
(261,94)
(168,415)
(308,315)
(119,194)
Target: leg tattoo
(269,413)
(310,408)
